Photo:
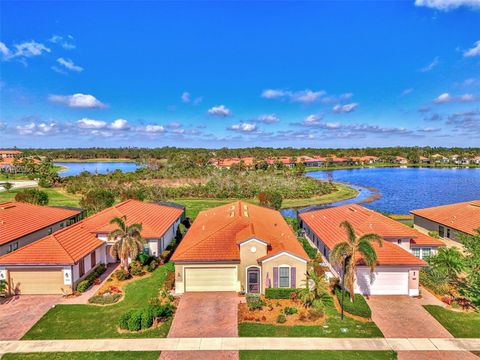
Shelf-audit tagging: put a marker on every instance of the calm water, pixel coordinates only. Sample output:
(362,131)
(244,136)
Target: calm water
(405,189)
(75,168)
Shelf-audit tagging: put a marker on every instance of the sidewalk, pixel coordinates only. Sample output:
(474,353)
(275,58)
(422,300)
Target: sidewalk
(219,344)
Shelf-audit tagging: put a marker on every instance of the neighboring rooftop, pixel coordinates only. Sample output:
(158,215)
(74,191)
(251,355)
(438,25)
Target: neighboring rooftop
(326,224)
(217,232)
(64,247)
(18,219)
(156,218)
(463,216)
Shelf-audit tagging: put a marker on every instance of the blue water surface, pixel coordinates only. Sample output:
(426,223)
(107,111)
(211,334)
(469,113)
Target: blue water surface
(405,189)
(75,168)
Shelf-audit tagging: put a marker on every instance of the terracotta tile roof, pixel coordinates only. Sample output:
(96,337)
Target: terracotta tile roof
(64,247)
(156,218)
(326,224)
(463,216)
(18,219)
(10,151)
(216,233)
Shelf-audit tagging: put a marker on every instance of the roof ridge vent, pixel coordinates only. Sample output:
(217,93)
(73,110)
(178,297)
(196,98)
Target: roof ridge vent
(352,209)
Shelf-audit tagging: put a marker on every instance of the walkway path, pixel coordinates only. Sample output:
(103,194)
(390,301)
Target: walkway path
(235,344)
(19,184)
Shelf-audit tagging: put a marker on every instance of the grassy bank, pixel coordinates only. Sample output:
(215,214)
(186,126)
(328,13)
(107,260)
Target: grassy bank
(459,324)
(316,355)
(386,165)
(56,197)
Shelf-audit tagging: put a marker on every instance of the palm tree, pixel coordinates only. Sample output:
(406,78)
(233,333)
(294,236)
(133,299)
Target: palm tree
(346,252)
(315,292)
(449,260)
(128,240)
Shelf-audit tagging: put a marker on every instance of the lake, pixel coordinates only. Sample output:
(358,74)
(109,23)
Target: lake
(405,189)
(75,168)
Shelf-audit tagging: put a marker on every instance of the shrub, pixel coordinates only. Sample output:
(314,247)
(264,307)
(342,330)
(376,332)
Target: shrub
(281,319)
(124,318)
(434,234)
(33,196)
(163,311)
(136,269)
(135,320)
(44,183)
(147,317)
(309,249)
(436,280)
(152,266)
(90,278)
(358,307)
(144,258)
(3,287)
(255,302)
(279,293)
(314,314)
(97,200)
(170,280)
(105,299)
(122,275)
(290,310)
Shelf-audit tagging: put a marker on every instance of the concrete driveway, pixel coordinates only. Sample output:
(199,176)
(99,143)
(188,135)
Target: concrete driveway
(205,314)
(19,313)
(404,317)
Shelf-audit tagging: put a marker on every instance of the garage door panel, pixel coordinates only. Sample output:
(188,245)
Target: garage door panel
(382,282)
(211,279)
(36,281)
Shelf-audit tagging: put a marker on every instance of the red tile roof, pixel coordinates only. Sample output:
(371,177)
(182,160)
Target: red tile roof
(156,218)
(216,233)
(64,247)
(18,219)
(326,224)
(464,216)
(10,152)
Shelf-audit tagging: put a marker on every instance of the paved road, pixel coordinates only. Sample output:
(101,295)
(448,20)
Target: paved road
(19,184)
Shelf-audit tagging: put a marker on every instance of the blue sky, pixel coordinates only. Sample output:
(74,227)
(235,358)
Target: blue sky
(235,74)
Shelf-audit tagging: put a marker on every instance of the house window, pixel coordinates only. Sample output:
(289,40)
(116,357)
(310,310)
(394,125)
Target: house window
(62,225)
(49,231)
(93,259)
(416,252)
(9,248)
(399,241)
(448,233)
(426,252)
(441,231)
(81,267)
(15,246)
(284,277)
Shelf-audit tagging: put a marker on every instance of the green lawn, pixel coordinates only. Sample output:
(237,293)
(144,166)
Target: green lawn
(56,197)
(107,355)
(194,206)
(332,328)
(459,324)
(96,322)
(316,355)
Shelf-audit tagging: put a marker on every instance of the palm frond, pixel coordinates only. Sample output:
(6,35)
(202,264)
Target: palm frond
(350,231)
(369,254)
(338,251)
(372,238)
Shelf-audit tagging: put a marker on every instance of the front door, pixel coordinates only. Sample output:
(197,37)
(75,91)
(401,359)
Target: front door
(253,280)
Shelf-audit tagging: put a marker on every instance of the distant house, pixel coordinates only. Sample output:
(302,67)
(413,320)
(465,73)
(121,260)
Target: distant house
(24,223)
(9,154)
(56,263)
(239,246)
(424,160)
(449,220)
(476,160)
(440,159)
(400,160)
(399,259)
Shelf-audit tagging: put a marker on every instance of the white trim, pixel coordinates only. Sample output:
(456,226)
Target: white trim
(245,242)
(284,253)
(289,276)
(246,278)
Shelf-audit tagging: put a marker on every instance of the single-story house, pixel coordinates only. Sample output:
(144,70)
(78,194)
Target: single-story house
(400,160)
(449,220)
(56,263)
(22,223)
(399,258)
(239,247)
(9,153)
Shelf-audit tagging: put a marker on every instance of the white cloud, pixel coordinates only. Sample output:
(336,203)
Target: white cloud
(77,101)
(430,66)
(312,119)
(154,129)
(407,92)
(344,108)
(68,64)
(37,128)
(244,127)
(447,98)
(268,119)
(57,39)
(446,5)
(304,96)
(474,51)
(186,97)
(86,123)
(24,50)
(219,110)
(120,124)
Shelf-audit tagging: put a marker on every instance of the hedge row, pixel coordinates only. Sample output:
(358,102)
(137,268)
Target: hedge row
(279,293)
(358,307)
(143,318)
(83,285)
(309,249)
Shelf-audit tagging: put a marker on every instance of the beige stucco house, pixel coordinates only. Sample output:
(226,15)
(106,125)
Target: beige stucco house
(239,247)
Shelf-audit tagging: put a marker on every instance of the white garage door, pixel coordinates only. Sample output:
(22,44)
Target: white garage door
(383,281)
(211,279)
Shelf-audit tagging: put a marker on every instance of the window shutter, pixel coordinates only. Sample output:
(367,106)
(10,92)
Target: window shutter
(293,277)
(275,277)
